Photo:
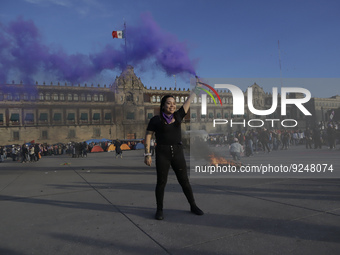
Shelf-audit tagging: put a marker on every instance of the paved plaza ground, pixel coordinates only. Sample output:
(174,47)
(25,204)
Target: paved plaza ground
(102,205)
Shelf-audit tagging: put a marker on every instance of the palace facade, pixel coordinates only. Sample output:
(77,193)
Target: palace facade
(52,113)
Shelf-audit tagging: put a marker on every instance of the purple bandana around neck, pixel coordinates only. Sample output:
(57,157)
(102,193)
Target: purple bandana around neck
(168,118)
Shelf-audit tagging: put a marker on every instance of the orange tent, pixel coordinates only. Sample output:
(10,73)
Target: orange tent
(111,147)
(125,147)
(97,148)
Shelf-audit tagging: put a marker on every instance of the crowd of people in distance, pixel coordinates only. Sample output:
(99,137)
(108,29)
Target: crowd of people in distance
(252,141)
(22,153)
(32,152)
(263,140)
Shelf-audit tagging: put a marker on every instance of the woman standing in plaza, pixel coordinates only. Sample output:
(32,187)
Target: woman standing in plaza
(169,150)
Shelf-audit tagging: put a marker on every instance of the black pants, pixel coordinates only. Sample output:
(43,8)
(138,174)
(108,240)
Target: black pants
(166,156)
(265,145)
(308,143)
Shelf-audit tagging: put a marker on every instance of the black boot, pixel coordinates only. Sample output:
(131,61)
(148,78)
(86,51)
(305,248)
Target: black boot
(159,214)
(195,210)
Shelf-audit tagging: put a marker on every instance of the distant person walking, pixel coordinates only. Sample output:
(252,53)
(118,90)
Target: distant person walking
(1,154)
(119,152)
(236,149)
(264,140)
(308,138)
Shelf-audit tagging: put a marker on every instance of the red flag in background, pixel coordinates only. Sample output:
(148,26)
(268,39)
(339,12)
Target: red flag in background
(118,34)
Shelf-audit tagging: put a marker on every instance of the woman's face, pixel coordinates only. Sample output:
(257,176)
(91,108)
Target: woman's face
(169,106)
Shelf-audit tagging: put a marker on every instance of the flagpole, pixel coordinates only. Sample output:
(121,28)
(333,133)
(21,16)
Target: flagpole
(278,43)
(126,61)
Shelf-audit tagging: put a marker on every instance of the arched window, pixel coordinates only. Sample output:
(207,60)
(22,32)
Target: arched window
(182,99)
(129,97)
(55,97)
(95,97)
(41,96)
(47,96)
(82,97)
(69,97)
(158,99)
(88,98)
(101,97)
(75,97)
(153,100)
(62,97)
(177,99)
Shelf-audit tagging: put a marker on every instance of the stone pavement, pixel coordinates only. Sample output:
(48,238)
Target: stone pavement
(103,205)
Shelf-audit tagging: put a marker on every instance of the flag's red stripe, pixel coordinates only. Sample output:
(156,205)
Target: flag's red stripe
(213,91)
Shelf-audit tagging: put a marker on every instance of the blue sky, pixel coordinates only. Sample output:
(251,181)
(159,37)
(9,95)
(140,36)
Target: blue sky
(226,39)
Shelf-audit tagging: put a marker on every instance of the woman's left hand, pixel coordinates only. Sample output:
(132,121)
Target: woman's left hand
(148,160)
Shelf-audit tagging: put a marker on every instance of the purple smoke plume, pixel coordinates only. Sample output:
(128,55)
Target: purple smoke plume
(23,53)
(149,41)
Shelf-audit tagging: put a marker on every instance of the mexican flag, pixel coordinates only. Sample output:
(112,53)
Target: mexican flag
(118,34)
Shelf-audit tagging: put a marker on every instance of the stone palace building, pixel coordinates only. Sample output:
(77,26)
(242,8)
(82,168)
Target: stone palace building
(52,113)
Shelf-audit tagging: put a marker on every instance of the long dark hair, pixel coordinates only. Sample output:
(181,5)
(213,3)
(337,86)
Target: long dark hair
(161,110)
